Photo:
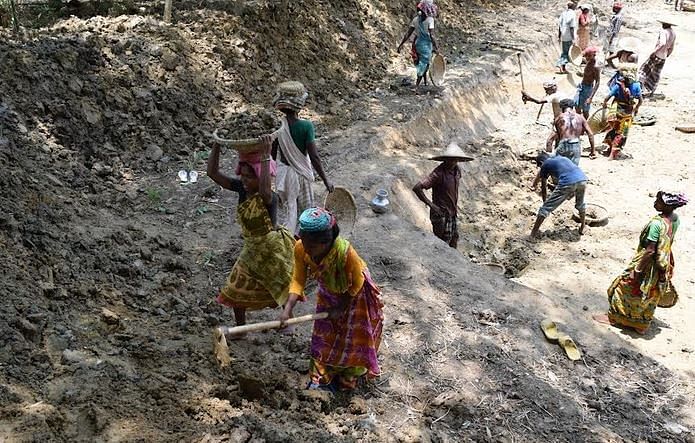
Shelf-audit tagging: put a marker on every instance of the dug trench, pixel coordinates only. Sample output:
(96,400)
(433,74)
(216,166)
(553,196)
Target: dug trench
(109,300)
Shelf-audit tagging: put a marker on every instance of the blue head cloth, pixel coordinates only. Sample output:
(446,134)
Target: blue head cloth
(316,220)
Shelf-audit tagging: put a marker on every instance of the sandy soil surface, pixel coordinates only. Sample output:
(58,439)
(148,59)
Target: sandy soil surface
(661,159)
(111,265)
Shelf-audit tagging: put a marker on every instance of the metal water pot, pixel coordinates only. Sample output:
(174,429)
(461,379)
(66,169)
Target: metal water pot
(380,203)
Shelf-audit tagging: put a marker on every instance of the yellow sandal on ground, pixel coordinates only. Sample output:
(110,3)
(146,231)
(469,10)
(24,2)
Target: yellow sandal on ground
(549,328)
(570,347)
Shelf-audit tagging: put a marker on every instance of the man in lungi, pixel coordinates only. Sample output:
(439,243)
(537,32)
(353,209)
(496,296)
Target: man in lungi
(296,153)
(444,182)
(650,71)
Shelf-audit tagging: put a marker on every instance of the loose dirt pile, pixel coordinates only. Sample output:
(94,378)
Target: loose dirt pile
(110,266)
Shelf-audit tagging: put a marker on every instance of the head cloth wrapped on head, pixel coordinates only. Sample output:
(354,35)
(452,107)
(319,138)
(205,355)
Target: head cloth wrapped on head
(428,8)
(675,199)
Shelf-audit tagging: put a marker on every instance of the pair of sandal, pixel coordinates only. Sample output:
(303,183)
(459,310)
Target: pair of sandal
(553,334)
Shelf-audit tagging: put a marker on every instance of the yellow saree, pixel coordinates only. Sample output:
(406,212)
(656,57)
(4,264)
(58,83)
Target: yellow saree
(261,275)
(633,301)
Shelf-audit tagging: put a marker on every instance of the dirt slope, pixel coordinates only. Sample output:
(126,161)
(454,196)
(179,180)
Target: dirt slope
(110,266)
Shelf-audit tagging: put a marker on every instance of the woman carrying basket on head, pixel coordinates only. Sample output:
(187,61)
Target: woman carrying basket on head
(261,276)
(296,152)
(425,43)
(343,346)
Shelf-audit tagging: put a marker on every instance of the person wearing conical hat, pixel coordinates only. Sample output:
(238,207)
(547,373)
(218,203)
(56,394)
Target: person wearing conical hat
(444,182)
(295,151)
(650,71)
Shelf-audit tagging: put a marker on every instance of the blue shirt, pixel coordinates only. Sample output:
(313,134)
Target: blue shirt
(617,92)
(563,170)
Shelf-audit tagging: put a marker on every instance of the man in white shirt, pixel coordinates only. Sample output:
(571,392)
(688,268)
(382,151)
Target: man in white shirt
(552,96)
(650,71)
(566,33)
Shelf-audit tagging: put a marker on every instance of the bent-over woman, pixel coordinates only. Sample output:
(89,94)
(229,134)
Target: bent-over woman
(261,276)
(627,93)
(634,295)
(344,346)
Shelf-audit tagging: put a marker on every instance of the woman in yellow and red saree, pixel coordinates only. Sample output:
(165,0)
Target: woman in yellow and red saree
(261,275)
(634,295)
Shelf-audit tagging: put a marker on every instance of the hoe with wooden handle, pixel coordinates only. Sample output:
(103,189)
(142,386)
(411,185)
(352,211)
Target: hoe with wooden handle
(221,349)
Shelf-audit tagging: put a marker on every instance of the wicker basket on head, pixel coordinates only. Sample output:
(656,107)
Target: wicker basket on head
(342,205)
(241,145)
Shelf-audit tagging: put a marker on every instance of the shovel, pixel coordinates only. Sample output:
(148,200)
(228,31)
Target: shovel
(221,349)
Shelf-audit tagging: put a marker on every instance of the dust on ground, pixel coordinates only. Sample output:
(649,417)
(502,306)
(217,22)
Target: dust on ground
(111,265)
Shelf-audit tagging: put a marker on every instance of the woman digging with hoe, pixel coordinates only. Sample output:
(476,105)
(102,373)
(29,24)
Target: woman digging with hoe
(261,275)
(343,346)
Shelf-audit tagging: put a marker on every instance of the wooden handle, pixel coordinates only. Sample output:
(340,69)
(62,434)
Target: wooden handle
(539,112)
(521,71)
(275,324)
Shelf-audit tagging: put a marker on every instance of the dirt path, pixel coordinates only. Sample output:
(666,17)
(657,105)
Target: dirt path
(578,272)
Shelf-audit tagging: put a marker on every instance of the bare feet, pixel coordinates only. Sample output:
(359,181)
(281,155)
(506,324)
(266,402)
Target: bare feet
(601,318)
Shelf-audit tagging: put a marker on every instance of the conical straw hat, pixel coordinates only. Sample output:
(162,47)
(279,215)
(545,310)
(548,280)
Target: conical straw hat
(668,21)
(630,44)
(453,151)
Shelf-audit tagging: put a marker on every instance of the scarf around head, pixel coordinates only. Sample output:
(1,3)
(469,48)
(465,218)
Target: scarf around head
(428,8)
(290,95)
(314,220)
(253,159)
(675,199)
